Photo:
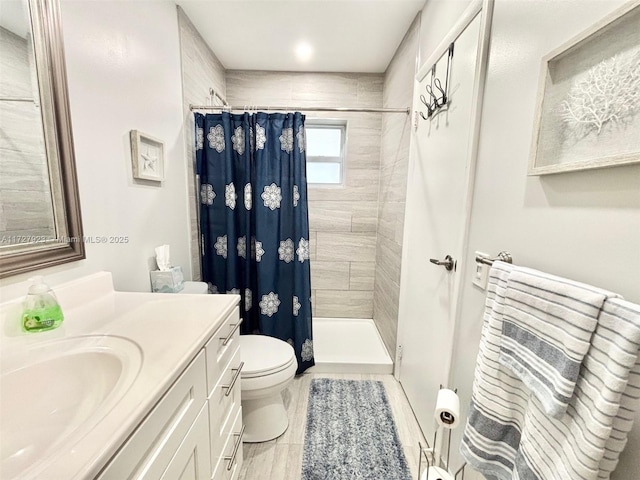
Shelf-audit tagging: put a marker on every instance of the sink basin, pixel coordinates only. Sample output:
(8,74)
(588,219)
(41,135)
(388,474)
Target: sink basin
(55,392)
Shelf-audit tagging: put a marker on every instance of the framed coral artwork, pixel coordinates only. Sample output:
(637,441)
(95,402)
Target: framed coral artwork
(588,113)
(147,156)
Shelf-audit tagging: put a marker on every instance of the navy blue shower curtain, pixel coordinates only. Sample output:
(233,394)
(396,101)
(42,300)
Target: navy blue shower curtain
(254,221)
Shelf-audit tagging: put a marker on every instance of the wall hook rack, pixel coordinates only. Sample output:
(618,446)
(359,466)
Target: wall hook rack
(438,98)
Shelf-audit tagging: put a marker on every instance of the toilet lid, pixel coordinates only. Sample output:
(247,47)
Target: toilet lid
(263,355)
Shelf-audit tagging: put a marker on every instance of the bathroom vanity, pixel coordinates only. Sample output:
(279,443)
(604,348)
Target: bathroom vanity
(131,386)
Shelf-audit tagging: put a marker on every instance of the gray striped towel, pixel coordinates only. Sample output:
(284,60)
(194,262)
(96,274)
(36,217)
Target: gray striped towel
(546,332)
(498,403)
(586,443)
(509,436)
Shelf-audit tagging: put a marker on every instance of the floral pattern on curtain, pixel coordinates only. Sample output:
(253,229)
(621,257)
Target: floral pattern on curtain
(254,221)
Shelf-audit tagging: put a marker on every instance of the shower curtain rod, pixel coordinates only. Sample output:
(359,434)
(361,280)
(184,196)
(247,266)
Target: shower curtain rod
(227,108)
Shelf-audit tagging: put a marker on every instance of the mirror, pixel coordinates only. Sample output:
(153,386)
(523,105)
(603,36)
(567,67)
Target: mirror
(40,223)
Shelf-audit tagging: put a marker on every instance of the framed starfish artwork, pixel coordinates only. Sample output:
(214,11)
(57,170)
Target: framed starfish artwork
(147,157)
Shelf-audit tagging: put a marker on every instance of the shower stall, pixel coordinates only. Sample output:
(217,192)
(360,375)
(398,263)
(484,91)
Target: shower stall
(349,345)
(355,228)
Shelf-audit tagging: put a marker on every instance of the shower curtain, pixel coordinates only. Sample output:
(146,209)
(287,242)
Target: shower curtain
(254,221)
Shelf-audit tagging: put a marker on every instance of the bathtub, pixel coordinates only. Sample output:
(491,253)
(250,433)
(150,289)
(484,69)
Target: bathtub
(348,345)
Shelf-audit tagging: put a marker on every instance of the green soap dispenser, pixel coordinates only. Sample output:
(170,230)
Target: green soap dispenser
(41,310)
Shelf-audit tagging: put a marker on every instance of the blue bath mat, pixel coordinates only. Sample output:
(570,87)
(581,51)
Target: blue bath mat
(351,433)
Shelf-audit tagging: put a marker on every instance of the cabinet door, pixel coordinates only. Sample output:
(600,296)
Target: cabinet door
(191,460)
(146,454)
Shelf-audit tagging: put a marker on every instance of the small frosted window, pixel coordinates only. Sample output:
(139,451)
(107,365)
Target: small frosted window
(325,152)
(324,172)
(324,142)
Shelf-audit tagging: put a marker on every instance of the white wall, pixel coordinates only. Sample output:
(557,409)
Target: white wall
(123,65)
(582,225)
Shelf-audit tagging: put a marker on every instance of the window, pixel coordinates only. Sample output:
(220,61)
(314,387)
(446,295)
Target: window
(325,152)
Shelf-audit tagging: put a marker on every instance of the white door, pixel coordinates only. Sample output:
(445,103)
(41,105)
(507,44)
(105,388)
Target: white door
(436,211)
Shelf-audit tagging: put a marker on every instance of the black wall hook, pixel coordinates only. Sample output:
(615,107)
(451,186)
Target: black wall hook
(438,96)
(423,99)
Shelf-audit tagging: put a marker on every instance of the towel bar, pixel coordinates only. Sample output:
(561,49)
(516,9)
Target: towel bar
(502,256)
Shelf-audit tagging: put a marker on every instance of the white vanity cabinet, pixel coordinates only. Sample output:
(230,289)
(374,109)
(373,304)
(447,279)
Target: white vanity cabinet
(223,400)
(195,429)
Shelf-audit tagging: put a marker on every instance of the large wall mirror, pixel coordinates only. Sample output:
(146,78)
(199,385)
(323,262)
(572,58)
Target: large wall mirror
(40,223)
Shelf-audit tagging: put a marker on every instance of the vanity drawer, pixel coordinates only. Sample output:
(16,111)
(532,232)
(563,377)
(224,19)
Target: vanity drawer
(229,460)
(151,446)
(221,347)
(191,461)
(223,405)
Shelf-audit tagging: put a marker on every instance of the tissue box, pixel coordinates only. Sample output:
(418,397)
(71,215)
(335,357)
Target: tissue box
(170,281)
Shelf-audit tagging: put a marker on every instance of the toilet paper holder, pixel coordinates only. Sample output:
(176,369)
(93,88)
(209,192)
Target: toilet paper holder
(446,420)
(458,475)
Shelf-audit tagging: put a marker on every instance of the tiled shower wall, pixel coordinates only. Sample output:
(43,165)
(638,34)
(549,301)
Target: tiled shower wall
(342,220)
(396,130)
(201,70)
(26,208)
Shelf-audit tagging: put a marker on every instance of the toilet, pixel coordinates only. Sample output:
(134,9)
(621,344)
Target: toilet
(195,287)
(269,366)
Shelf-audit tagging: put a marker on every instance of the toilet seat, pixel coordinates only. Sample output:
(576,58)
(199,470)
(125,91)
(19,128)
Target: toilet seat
(263,355)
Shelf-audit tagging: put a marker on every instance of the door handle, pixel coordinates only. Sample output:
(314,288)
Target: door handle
(448,262)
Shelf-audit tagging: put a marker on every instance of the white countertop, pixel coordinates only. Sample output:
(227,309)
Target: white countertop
(169,329)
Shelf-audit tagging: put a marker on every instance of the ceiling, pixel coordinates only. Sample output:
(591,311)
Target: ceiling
(340,35)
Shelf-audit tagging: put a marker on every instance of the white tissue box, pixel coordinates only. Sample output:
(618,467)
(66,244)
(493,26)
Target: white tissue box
(169,281)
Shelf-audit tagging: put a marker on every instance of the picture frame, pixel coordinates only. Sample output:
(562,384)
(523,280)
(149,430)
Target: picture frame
(147,157)
(588,110)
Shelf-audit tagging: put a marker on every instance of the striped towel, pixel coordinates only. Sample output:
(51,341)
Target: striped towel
(614,312)
(587,441)
(498,403)
(509,436)
(546,332)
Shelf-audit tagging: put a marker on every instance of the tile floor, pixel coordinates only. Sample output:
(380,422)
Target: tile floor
(281,459)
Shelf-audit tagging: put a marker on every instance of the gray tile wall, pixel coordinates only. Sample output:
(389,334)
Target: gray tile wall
(343,221)
(26,207)
(394,160)
(201,70)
